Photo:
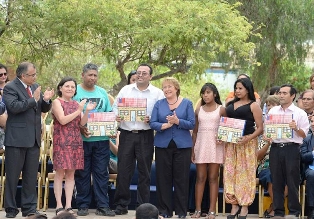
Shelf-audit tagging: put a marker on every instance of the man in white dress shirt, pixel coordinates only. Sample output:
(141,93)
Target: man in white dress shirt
(284,157)
(135,142)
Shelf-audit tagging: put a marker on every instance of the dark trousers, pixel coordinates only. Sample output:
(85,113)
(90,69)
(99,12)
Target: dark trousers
(285,169)
(134,147)
(309,176)
(23,159)
(172,171)
(96,161)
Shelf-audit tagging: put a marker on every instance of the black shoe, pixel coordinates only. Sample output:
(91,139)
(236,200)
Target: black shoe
(233,216)
(181,216)
(105,212)
(82,212)
(166,216)
(310,214)
(33,213)
(11,212)
(121,211)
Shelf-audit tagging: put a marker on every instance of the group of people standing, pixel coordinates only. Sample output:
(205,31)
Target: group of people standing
(79,156)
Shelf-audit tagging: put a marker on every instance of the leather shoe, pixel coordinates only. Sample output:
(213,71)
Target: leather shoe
(33,213)
(121,211)
(11,212)
(310,214)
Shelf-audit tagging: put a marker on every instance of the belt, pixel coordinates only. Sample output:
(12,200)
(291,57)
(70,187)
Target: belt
(135,131)
(284,144)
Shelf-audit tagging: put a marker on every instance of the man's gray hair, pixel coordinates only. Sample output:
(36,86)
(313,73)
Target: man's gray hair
(90,66)
(23,68)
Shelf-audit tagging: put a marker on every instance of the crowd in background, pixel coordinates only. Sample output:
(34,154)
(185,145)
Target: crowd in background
(172,130)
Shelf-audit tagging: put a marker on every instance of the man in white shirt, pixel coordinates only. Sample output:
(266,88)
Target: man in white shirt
(284,157)
(135,142)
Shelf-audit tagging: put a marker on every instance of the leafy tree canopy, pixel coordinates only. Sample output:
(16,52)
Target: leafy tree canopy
(176,36)
(286,29)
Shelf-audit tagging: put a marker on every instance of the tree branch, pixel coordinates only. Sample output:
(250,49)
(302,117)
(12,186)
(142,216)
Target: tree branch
(7,19)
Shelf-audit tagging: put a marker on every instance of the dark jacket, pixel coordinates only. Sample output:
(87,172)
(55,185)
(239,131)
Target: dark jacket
(23,127)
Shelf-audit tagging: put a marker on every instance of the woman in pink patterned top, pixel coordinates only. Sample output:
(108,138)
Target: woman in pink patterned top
(206,153)
(68,154)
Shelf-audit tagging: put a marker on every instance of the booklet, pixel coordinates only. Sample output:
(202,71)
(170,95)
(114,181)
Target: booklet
(230,129)
(102,123)
(277,126)
(132,109)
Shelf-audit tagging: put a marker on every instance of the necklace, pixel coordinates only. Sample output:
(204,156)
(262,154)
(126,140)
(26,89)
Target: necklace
(174,102)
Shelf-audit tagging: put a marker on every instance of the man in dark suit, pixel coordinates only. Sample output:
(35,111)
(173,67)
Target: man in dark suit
(307,158)
(25,103)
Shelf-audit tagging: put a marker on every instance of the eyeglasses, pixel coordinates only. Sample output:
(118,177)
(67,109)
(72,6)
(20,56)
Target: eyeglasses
(308,99)
(33,75)
(1,74)
(143,73)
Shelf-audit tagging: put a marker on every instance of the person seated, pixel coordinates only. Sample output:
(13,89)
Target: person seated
(307,159)
(3,120)
(113,162)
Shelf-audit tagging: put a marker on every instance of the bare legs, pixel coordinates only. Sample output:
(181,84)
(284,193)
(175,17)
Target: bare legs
(68,175)
(212,171)
(235,209)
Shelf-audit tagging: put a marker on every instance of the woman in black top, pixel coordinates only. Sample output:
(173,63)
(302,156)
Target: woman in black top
(241,158)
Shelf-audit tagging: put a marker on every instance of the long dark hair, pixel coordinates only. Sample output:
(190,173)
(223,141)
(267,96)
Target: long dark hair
(214,89)
(247,83)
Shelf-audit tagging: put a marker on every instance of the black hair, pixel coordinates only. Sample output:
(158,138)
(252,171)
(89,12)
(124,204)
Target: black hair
(6,69)
(62,82)
(147,211)
(274,90)
(133,72)
(214,89)
(3,66)
(150,67)
(247,83)
(292,89)
(245,75)
(65,215)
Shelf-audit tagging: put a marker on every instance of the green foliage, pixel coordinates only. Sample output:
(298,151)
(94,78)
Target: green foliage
(183,37)
(285,29)
(298,75)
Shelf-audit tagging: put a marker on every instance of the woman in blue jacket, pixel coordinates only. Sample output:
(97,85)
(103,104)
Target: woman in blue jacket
(172,118)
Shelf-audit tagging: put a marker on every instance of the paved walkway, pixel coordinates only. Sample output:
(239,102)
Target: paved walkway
(131,215)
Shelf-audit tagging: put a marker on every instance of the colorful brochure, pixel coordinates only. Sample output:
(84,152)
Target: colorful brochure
(132,109)
(102,123)
(277,126)
(230,129)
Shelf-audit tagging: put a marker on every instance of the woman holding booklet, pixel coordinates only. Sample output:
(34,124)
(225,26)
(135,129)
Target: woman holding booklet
(68,154)
(207,153)
(240,158)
